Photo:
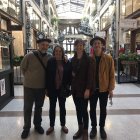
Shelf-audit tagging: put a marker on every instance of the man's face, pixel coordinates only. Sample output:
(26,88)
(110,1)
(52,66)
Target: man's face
(43,45)
(97,44)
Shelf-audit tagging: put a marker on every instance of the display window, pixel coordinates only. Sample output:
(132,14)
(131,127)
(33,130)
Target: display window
(4,57)
(12,7)
(129,6)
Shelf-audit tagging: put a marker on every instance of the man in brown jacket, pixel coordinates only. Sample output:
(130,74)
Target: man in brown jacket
(33,69)
(103,86)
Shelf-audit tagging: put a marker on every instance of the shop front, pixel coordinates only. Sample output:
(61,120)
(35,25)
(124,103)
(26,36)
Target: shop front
(10,24)
(6,68)
(128,51)
(106,26)
(130,15)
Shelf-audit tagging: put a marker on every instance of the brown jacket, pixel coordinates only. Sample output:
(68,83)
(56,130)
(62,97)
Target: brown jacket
(34,73)
(106,73)
(82,78)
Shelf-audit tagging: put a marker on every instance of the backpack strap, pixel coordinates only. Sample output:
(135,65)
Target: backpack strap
(36,54)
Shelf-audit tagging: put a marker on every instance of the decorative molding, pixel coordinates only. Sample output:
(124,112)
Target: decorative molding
(6,38)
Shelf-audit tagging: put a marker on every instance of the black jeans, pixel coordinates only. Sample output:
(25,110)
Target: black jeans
(103,98)
(52,110)
(81,105)
(31,96)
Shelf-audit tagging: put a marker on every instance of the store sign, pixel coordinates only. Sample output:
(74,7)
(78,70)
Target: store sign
(128,23)
(2,87)
(100,34)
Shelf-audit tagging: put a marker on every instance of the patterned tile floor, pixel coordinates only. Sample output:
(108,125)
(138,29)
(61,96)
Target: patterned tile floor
(123,120)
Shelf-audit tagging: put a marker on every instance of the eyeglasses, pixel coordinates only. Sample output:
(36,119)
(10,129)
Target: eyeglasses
(110,101)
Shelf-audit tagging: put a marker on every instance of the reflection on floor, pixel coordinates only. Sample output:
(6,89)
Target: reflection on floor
(122,120)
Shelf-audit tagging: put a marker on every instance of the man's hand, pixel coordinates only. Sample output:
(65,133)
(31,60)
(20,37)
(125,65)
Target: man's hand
(87,94)
(110,94)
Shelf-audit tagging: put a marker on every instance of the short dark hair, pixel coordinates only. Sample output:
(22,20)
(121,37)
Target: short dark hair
(58,46)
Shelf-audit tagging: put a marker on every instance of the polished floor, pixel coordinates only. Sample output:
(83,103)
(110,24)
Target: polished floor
(123,120)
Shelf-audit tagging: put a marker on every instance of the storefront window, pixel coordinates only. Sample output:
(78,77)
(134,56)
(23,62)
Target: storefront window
(138,38)
(3,24)
(128,7)
(35,19)
(38,2)
(105,19)
(33,39)
(4,5)
(126,38)
(4,57)
(11,7)
(44,27)
(37,25)
(123,7)
(138,43)
(18,9)
(102,1)
(136,5)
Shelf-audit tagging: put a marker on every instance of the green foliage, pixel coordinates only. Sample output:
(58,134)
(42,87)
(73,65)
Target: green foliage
(46,13)
(17,60)
(54,21)
(129,57)
(94,12)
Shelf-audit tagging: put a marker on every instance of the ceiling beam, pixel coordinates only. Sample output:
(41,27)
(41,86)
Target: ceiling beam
(78,4)
(57,5)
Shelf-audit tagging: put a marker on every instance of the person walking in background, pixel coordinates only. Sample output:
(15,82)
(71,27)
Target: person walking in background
(33,69)
(103,85)
(81,87)
(58,76)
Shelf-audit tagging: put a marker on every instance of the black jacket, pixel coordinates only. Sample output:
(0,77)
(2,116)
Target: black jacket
(82,78)
(51,74)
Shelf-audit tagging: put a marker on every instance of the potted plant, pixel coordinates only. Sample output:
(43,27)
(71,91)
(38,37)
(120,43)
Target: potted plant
(17,60)
(130,58)
(54,21)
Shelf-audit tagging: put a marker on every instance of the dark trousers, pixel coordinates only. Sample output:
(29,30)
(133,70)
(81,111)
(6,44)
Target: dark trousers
(31,96)
(81,105)
(52,110)
(103,98)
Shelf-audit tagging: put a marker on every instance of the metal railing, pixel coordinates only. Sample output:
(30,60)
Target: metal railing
(128,71)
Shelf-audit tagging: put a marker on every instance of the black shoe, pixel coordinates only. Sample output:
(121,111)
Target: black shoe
(39,129)
(93,133)
(103,133)
(25,134)
(78,134)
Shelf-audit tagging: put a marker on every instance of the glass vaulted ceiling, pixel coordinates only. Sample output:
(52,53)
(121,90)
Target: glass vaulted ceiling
(70,8)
